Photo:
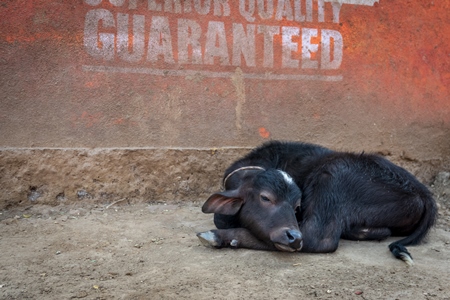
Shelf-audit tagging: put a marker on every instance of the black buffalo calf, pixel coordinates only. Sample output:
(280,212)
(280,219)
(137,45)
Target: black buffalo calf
(301,197)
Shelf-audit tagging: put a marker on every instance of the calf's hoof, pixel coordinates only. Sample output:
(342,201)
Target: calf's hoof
(209,239)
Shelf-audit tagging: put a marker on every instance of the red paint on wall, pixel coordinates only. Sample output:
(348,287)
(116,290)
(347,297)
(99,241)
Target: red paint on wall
(405,58)
(264,133)
(395,71)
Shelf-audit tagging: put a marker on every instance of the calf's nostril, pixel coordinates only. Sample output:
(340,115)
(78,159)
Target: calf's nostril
(290,237)
(294,237)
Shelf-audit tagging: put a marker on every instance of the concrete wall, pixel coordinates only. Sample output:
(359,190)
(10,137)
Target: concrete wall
(177,79)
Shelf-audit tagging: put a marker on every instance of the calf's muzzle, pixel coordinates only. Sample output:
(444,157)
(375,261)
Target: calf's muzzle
(287,239)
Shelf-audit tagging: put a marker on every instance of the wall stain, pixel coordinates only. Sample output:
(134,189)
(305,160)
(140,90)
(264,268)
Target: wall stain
(239,85)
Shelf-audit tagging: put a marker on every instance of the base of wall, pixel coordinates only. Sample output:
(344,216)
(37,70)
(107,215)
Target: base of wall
(56,176)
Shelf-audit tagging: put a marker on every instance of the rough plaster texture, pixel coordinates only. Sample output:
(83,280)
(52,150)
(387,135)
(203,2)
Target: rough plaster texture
(68,176)
(58,176)
(65,81)
(69,81)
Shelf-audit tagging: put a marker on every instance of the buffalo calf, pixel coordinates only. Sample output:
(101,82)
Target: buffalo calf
(291,196)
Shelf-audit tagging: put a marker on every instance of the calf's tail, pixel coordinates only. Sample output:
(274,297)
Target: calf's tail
(428,219)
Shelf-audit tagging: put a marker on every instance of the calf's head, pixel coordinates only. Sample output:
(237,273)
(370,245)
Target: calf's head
(265,204)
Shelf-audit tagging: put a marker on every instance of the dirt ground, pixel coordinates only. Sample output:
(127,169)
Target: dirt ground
(150,251)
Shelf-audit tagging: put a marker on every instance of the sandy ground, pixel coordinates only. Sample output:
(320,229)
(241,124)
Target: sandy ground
(144,251)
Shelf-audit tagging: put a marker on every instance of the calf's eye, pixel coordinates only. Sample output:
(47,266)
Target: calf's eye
(264,198)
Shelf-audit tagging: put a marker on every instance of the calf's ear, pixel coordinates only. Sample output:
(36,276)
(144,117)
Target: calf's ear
(225,203)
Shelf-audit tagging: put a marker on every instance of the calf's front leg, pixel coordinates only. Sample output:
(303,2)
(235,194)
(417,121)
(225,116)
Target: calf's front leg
(320,236)
(232,238)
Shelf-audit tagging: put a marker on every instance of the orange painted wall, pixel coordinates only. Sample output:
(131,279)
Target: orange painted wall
(385,84)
